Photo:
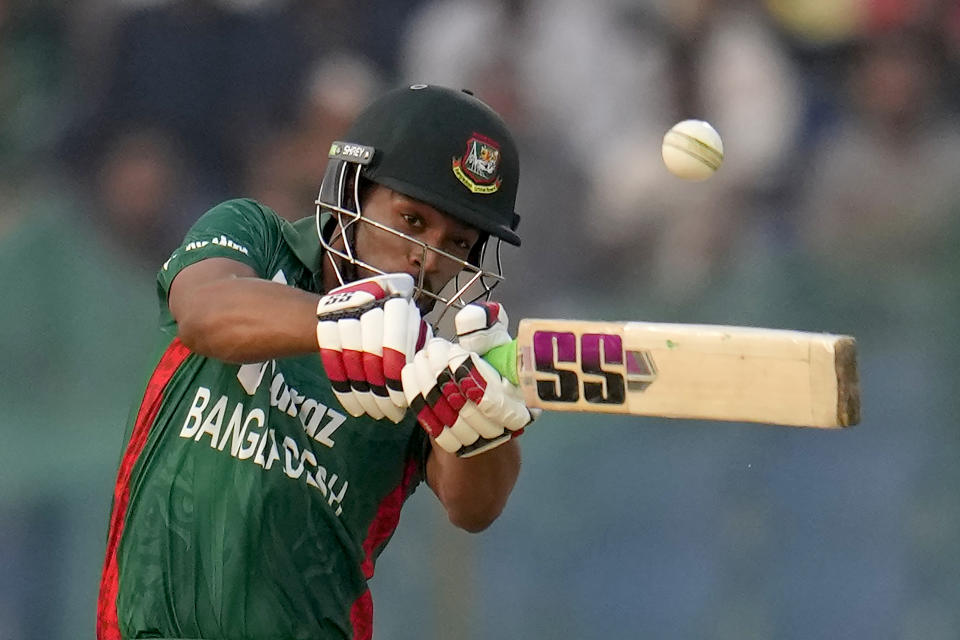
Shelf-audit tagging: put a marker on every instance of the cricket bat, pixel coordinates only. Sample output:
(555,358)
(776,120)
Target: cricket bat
(706,372)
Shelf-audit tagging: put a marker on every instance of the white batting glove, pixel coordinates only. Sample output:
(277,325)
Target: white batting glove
(367,331)
(459,398)
(481,326)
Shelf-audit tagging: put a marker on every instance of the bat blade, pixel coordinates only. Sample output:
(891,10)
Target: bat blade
(708,372)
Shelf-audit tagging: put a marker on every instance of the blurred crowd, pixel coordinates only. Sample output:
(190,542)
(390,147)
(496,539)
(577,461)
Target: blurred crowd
(837,209)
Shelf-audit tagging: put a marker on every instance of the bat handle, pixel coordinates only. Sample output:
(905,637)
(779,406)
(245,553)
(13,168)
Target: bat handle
(504,360)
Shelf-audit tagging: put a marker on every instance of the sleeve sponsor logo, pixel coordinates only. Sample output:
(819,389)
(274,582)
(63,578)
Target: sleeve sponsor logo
(221,241)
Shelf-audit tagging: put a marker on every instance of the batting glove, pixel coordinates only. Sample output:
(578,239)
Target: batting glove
(367,331)
(461,400)
(482,326)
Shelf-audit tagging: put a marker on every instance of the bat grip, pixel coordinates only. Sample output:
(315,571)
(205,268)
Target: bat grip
(504,360)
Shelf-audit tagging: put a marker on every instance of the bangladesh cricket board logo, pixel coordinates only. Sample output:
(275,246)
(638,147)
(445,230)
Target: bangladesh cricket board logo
(479,166)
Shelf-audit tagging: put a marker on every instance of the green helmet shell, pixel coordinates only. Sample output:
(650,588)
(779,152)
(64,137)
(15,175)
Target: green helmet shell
(446,148)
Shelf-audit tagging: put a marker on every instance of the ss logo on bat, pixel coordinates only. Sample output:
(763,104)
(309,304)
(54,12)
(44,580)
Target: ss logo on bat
(595,366)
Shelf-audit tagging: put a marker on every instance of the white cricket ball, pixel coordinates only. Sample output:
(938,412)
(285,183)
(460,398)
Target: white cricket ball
(692,150)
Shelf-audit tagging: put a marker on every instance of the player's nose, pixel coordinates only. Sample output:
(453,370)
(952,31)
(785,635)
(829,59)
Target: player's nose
(421,265)
(422,257)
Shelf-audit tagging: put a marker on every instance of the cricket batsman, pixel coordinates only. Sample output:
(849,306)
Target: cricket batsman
(298,397)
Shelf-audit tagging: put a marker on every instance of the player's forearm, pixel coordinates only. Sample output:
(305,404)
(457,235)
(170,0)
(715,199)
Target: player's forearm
(248,320)
(474,490)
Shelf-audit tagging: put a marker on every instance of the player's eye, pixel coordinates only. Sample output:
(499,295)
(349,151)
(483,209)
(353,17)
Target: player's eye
(413,221)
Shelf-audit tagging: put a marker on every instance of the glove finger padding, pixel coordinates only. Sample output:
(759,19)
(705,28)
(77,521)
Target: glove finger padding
(351,341)
(418,386)
(461,401)
(493,394)
(481,326)
(367,330)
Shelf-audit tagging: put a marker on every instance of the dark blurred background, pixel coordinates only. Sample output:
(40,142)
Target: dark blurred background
(838,209)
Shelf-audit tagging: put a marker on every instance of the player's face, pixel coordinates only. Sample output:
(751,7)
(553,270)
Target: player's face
(393,254)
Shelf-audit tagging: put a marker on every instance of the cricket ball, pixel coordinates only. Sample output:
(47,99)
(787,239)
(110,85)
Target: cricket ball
(692,150)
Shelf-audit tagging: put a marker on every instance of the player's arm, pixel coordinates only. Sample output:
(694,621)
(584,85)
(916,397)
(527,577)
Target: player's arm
(225,311)
(472,414)
(474,490)
(365,331)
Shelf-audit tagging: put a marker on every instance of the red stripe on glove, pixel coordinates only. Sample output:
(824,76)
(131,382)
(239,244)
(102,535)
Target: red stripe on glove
(393,362)
(373,369)
(493,311)
(333,365)
(424,335)
(451,391)
(441,408)
(353,363)
(428,420)
(372,288)
(471,381)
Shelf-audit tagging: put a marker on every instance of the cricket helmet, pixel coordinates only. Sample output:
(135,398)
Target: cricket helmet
(438,145)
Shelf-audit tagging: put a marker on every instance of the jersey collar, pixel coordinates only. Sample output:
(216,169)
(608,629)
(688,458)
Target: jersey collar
(303,240)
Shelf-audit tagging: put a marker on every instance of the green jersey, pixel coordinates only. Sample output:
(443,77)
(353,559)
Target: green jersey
(248,504)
